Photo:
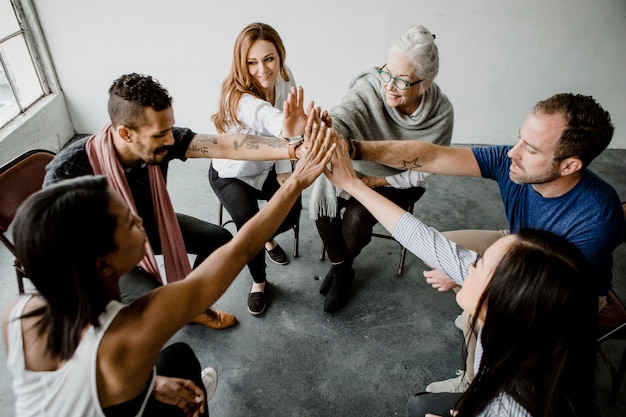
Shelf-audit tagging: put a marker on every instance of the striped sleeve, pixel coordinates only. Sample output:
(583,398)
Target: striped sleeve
(504,406)
(433,248)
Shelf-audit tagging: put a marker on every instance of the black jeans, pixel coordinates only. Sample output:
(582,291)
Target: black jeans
(242,203)
(344,238)
(201,238)
(176,361)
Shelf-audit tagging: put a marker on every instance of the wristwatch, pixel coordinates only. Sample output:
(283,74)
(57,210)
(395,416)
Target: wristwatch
(293,144)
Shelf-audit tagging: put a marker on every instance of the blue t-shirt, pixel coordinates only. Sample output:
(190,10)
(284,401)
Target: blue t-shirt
(589,216)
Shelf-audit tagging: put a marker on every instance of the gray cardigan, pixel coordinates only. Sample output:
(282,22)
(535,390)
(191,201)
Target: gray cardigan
(364,114)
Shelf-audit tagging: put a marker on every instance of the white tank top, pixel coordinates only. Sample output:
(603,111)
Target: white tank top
(70,390)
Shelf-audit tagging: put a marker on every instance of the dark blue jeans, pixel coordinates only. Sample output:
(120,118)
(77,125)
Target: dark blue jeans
(176,361)
(242,203)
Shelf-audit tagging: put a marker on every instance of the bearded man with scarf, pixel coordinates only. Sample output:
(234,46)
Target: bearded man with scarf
(134,152)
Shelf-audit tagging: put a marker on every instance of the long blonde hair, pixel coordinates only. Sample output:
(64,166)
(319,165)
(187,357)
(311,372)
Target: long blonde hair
(239,80)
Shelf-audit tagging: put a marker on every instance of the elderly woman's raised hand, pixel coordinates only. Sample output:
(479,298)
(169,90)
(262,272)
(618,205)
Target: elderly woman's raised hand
(341,173)
(374,181)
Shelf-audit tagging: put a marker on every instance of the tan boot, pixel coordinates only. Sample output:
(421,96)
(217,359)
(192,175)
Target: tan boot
(215,319)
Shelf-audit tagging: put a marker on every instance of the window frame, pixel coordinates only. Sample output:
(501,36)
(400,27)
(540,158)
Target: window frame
(30,31)
(46,124)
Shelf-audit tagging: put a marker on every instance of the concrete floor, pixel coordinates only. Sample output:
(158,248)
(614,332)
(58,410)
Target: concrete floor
(396,335)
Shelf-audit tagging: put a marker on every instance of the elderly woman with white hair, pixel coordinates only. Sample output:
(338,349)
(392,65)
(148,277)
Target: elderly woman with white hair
(398,100)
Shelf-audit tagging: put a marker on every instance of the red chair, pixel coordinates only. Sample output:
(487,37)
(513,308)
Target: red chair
(19,179)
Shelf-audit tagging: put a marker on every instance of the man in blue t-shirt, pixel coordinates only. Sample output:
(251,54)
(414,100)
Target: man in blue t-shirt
(544,183)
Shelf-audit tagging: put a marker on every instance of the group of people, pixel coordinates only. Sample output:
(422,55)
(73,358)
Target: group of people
(399,100)
(88,240)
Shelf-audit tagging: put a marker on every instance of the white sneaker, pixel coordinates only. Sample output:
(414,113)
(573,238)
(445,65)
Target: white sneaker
(209,380)
(458,322)
(457,384)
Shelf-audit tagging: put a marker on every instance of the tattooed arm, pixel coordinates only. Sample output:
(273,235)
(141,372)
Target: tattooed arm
(420,156)
(239,146)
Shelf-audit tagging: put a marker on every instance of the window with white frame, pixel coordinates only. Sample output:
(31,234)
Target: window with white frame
(20,81)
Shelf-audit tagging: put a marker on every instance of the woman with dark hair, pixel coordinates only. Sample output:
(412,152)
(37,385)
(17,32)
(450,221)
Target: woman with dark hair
(533,304)
(537,314)
(256,100)
(74,349)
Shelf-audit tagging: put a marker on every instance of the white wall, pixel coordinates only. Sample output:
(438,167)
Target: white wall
(497,57)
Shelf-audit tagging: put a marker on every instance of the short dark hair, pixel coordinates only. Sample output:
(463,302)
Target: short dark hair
(131,94)
(588,128)
(60,232)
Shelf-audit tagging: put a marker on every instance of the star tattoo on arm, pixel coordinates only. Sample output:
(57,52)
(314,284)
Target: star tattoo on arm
(411,164)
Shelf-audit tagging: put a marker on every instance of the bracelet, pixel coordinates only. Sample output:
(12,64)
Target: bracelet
(293,144)
(354,149)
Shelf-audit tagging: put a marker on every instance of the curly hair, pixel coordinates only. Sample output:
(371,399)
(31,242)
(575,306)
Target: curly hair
(131,94)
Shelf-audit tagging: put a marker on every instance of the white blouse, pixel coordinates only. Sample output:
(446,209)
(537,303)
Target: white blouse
(259,118)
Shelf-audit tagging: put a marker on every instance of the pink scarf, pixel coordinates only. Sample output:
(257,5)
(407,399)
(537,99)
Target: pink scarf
(103,159)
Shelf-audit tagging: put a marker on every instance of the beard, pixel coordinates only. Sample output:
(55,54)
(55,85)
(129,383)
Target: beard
(521,177)
(157,156)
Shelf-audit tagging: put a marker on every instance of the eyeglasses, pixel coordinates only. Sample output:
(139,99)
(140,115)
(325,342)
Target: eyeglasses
(399,83)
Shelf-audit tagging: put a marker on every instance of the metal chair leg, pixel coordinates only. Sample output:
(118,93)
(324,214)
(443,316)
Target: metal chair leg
(296,229)
(619,375)
(296,239)
(402,256)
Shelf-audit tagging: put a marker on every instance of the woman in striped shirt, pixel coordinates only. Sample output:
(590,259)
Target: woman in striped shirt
(534,305)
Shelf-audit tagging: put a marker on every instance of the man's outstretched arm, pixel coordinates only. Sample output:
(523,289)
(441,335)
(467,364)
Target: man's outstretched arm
(419,156)
(239,146)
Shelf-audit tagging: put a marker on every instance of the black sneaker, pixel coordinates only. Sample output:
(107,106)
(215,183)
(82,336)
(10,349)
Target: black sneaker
(278,255)
(257,302)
